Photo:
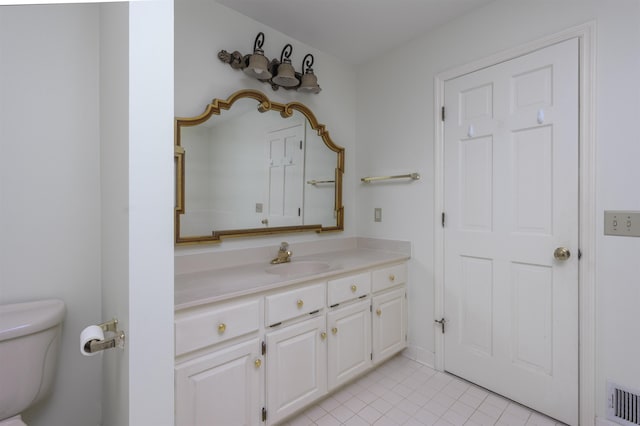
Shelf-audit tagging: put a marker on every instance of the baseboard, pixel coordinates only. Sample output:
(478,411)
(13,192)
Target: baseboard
(604,422)
(420,355)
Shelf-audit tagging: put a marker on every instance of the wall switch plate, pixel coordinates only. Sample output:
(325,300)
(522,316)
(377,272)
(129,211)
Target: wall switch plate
(377,214)
(624,223)
(258,207)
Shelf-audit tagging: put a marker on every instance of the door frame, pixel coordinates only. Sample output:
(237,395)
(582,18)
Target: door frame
(585,33)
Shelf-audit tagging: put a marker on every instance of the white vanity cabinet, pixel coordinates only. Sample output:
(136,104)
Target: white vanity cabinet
(296,363)
(221,388)
(389,312)
(262,357)
(219,369)
(296,349)
(349,342)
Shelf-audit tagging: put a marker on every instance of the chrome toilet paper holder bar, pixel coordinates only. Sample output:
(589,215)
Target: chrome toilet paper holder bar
(115,339)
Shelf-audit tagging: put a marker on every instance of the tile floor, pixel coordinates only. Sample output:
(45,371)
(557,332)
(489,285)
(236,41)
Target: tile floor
(404,392)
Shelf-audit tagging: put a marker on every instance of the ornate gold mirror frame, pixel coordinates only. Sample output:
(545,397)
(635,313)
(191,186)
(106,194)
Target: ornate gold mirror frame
(263,105)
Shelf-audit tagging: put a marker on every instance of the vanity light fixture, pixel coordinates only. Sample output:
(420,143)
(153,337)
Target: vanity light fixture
(286,73)
(309,81)
(257,64)
(277,73)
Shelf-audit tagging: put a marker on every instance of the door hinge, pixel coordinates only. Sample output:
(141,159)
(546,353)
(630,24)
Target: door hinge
(443,219)
(264,348)
(370,308)
(441,322)
(264,414)
(299,211)
(442,113)
(300,144)
(371,354)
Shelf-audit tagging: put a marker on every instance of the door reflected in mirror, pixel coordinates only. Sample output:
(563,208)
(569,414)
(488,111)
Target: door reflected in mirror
(248,166)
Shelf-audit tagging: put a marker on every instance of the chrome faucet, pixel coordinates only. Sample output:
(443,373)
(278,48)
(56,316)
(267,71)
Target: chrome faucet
(284,254)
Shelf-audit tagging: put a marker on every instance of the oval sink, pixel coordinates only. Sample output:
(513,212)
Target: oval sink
(305,267)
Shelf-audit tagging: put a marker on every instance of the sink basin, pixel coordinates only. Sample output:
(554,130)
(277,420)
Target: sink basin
(305,267)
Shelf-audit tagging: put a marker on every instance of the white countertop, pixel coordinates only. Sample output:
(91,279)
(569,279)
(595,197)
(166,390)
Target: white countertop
(202,287)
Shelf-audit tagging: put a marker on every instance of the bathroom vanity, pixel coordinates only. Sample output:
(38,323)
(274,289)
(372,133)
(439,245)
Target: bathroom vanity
(256,343)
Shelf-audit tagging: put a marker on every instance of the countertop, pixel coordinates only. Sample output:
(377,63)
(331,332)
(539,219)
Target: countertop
(202,287)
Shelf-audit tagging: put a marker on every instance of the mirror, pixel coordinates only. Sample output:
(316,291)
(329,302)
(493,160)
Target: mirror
(248,166)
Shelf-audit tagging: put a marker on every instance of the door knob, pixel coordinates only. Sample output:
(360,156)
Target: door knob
(562,253)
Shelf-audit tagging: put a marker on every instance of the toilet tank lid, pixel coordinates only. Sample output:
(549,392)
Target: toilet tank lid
(20,319)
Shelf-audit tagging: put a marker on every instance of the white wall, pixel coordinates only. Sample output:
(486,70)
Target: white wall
(150,210)
(203,28)
(114,174)
(403,142)
(50,186)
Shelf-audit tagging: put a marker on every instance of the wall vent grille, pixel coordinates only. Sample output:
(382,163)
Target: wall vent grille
(624,405)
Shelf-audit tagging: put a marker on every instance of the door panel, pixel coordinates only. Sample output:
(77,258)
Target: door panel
(296,367)
(511,198)
(231,377)
(349,335)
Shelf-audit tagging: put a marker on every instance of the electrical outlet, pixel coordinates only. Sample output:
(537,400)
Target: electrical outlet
(377,214)
(624,223)
(258,207)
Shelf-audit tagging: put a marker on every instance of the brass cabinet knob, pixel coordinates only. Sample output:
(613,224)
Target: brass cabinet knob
(354,288)
(392,277)
(323,335)
(378,311)
(222,327)
(258,362)
(300,303)
(334,330)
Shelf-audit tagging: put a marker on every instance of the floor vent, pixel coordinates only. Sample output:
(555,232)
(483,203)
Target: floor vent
(624,405)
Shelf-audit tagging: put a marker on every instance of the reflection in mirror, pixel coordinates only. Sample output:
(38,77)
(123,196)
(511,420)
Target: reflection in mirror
(249,166)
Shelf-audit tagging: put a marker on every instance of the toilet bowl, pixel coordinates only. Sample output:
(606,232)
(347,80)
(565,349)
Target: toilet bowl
(29,340)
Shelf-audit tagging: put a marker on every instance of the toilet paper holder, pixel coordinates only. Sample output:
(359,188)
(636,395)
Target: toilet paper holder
(115,339)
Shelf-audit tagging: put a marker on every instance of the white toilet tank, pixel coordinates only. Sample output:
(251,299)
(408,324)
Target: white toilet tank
(29,339)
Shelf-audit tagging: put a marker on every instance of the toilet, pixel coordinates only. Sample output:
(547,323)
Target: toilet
(29,340)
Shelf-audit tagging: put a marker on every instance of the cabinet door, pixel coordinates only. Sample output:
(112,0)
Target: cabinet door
(296,369)
(221,388)
(389,324)
(349,342)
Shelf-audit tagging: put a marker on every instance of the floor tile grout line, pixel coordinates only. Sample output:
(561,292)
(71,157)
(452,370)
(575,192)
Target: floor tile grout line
(403,368)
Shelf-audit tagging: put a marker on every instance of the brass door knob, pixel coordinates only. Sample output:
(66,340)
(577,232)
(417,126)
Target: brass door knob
(392,277)
(334,330)
(323,335)
(354,288)
(300,303)
(258,362)
(222,327)
(562,253)
(378,312)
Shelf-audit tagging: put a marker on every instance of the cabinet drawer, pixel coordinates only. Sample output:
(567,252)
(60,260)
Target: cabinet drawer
(348,288)
(220,323)
(293,303)
(389,277)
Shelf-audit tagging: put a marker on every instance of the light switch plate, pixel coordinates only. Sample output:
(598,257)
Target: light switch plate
(377,214)
(624,223)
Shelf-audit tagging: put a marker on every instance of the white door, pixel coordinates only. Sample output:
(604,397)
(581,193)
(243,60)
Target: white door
(349,335)
(286,171)
(296,361)
(511,199)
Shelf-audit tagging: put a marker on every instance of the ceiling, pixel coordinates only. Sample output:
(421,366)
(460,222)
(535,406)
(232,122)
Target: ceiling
(354,31)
